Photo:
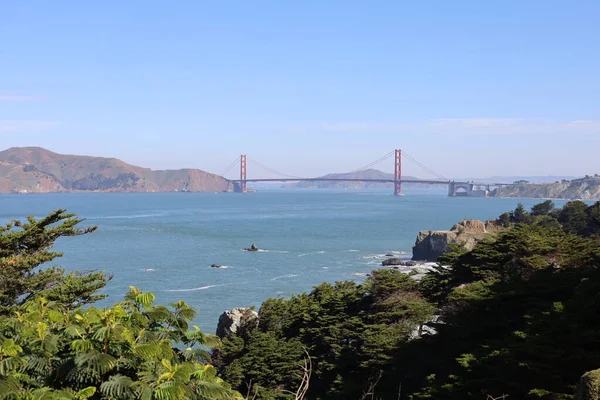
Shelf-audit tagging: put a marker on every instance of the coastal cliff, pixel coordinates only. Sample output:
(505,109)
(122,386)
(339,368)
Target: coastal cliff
(37,170)
(432,244)
(584,189)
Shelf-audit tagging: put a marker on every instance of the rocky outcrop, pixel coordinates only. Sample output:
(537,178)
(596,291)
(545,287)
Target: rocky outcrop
(398,261)
(432,244)
(236,320)
(589,386)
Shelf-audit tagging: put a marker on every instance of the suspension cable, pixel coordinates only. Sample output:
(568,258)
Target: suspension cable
(272,170)
(236,161)
(432,172)
(380,159)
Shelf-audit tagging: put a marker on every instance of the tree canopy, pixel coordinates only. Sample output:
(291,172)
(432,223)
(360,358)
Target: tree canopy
(123,352)
(25,251)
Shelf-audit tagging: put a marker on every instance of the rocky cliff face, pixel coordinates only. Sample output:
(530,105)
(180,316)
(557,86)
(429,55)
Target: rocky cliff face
(583,189)
(231,321)
(37,170)
(432,244)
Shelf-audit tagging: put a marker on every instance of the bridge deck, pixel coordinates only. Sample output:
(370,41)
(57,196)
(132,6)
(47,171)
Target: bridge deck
(431,182)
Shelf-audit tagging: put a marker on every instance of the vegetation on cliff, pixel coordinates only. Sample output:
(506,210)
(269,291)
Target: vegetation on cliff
(587,188)
(37,170)
(515,316)
(350,332)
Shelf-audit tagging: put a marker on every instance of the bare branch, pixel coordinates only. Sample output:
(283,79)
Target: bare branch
(370,393)
(250,387)
(307,372)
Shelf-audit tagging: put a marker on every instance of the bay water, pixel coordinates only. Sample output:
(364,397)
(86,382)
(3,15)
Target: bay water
(166,242)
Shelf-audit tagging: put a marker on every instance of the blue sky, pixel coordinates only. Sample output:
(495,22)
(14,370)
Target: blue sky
(469,88)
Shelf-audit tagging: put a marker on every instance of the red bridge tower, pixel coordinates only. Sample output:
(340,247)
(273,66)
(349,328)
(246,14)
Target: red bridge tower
(243,188)
(398,173)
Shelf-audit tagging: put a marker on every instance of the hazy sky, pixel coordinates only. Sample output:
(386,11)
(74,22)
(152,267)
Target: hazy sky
(469,88)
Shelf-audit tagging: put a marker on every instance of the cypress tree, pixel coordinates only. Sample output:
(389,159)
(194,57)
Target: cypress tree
(25,249)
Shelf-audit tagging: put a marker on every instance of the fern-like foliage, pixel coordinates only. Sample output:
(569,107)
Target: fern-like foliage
(129,351)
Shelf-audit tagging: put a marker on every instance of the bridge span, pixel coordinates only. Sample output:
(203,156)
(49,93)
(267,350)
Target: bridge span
(469,189)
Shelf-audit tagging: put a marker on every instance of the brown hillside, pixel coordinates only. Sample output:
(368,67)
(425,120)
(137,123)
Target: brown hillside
(37,170)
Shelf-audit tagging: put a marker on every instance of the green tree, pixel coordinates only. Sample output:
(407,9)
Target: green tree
(516,311)
(519,215)
(351,332)
(26,246)
(573,217)
(135,349)
(542,209)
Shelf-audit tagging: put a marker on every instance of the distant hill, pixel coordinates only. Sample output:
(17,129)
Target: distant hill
(365,174)
(511,179)
(37,170)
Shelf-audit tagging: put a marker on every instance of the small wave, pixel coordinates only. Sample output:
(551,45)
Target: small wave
(147,269)
(353,251)
(284,276)
(358,274)
(130,216)
(325,267)
(376,256)
(260,251)
(194,289)
(308,254)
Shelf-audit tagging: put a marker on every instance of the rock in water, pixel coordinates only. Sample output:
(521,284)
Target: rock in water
(432,244)
(235,320)
(392,261)
(398,261)
(216,266)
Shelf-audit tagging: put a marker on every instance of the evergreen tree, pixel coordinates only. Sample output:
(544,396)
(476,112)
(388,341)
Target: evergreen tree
(27,246)
(350,331)
(573,217)
(541,209)
(519,215)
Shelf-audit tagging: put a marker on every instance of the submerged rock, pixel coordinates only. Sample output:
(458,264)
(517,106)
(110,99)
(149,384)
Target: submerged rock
(236,320)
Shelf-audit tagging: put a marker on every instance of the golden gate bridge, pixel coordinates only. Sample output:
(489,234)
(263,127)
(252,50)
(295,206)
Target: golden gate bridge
(455,188)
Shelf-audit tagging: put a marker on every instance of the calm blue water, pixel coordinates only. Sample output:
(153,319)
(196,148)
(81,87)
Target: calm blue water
(166,242)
